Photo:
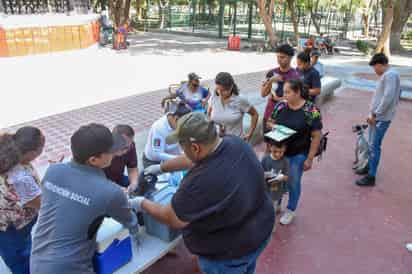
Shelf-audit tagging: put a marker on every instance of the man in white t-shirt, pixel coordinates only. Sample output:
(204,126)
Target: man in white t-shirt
(156,149)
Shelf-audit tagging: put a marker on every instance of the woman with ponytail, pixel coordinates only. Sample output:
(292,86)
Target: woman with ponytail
(19,196)
(227,108)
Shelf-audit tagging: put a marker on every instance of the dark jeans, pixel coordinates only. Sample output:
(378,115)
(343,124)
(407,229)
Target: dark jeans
(376,134)
(295,179)
(15,248)
(243,265)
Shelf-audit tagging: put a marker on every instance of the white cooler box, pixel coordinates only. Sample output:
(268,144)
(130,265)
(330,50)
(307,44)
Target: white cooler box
(114,247)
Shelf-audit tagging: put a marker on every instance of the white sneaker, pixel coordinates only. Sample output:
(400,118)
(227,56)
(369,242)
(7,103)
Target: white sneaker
(409,247)
(287,217)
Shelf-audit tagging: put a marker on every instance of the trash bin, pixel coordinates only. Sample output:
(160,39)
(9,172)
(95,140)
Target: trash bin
(233,42)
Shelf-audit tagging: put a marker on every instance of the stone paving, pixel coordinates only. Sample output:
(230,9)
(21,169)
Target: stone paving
(139,111)
(341,228)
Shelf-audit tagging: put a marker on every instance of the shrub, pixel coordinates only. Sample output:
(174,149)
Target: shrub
(362,46)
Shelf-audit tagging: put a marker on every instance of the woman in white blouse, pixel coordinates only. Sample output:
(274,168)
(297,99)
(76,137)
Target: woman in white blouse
(227,108)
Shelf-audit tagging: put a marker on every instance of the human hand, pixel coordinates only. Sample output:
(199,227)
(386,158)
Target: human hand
(246,137)
(276,78)
(131,188)
(136,203)
(154,169)
(371,120)
(307,165)
(221,129)
(270,124)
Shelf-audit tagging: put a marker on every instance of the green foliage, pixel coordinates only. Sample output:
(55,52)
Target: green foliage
(362,46)
(406,35)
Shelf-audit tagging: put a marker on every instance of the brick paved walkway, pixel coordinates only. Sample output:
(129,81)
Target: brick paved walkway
(341,228)
(139,111)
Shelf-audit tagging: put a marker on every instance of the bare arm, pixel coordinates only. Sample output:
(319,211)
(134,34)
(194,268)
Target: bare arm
(255,117)
(164,214)
(266,88)
(314,146)
(133,175)
(209,111)
(314,91)
(179,163)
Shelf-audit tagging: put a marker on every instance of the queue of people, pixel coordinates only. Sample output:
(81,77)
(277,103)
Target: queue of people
(222,205)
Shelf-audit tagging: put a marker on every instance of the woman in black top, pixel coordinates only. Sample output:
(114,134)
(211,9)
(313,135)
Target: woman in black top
(301,115)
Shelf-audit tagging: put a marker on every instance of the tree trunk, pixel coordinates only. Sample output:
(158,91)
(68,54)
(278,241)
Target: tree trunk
(139,10)
(291,6)
(118,13)
(126,12)
(162,16)
(267,19)
(383,41)
(365,18)
(314,15)
(401,12)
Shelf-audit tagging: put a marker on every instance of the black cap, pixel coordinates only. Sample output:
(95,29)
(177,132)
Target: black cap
(92,140)
(193,76)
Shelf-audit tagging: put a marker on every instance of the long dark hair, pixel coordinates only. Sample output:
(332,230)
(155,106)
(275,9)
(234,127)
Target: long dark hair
(298,87)
(9,153)
(28,139)
(226,80)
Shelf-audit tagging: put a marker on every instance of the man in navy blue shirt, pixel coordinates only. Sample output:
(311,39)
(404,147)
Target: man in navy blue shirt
(221,205)
(309,75)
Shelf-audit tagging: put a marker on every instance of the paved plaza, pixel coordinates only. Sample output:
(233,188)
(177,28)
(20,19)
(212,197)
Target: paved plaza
(340,228)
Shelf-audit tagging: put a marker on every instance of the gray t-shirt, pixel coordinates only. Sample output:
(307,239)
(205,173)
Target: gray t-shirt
(274,167)
(386,97)
(75,199)
(230,115)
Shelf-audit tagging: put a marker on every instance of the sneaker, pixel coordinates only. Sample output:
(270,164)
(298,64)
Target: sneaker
(366,181)
(287,217)
(409,247)
(362,171)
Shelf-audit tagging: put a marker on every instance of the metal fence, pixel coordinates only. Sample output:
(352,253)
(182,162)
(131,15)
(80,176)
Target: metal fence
(243,19)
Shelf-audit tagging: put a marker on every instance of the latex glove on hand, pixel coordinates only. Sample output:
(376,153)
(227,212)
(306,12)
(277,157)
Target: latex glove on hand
(136,203)
(154,169)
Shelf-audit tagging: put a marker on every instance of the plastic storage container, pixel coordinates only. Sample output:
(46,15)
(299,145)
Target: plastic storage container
(114,247)
(153,227)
